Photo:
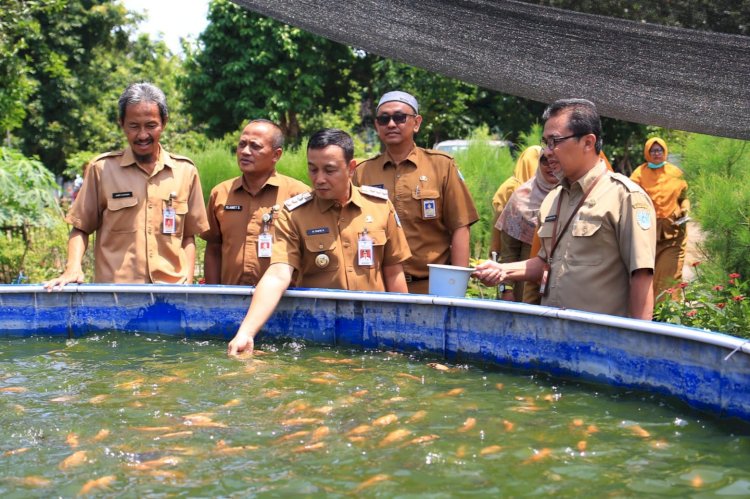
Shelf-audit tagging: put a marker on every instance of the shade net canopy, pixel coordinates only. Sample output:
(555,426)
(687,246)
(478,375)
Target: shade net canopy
(672,77)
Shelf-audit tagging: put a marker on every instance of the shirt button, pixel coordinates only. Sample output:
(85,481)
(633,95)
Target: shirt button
(320,246)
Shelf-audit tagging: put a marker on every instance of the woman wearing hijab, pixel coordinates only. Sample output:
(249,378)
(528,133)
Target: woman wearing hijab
(517,224)
(664,184)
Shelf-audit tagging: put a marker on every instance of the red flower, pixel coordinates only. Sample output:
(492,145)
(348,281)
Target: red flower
(692,313)
(721,305)
(734,275)
(670,291)
(718,287)
(731,281)
(695,264)
(738,297)
(201,281)
(682,285)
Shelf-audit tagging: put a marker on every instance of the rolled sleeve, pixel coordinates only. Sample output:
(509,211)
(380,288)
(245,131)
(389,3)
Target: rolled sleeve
(288,246)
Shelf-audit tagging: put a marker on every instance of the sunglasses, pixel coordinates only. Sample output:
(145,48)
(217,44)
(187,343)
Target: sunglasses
(398,118)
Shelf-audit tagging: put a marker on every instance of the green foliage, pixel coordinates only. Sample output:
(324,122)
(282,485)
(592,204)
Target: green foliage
(711,302)
(215,164)
(484,168)
(26,192)
(252,66)
(718,174)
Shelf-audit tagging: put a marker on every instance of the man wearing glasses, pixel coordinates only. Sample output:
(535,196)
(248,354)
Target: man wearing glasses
(426,188)
(597,228)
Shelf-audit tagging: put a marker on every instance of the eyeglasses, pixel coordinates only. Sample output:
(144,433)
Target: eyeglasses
(398,118)
(657,151)
(553,142)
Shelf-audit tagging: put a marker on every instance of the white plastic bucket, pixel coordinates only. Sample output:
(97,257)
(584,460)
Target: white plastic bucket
(449,280)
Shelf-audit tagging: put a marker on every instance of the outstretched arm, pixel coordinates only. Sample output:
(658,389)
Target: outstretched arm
(78,241)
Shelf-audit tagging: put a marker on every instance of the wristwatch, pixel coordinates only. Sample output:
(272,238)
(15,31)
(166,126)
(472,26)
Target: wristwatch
(502,288)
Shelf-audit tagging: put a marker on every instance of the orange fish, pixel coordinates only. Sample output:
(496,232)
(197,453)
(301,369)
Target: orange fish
(577,422)
(360,430)
(468,425)
(638,431)
(356,439)
(360,393)
(169,379)
(14,389)
(385,420)
(301,421)
(461,451)
(394,436)
(73,460)
(538,455)
(659,444)
(508,425)
(417,416)
(499,386)
(697,481)
(72,440)
(323,381)
(452,393)
(232,403)
(18,408)
(15,451)
(177,434)
(296,406)
(102,483)
(98,399)
(581,445)
(223,448)
(395,400)
(103,433)
(131,385)
(157,463)
(591,429)
(492,449)
(309,447)
(410,376)
(64,398)
(153,429)
(292,436)
(424,439)
(201,421)
(272,394)
(335,361)
(32,481)
(323,409)
(370,482)
(230,374)
(166,474)
(320,433)
(439,367)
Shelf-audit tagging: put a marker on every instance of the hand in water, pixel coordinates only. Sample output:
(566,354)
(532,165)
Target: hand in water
(242,342)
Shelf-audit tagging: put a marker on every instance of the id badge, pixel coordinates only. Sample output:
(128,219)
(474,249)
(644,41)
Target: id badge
(364,252)
(168,221)
(265,240)
(544,283)
(429,210)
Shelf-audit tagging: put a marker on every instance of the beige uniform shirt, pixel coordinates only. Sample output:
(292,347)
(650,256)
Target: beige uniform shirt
(431,200)
(611,236)
(235,218)
(125,206)
(319,238)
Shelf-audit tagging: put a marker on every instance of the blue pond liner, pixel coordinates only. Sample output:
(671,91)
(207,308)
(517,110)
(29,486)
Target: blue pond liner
(708,371)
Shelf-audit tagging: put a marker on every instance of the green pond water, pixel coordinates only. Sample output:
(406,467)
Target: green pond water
(145,416)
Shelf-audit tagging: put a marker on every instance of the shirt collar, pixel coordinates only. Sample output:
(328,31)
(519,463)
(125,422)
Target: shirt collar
(586,181)
(163,159)
(411,158)
(241,183)
(327,204)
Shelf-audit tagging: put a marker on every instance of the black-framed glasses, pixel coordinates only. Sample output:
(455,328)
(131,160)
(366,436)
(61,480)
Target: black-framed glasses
(398,118)
(553,142)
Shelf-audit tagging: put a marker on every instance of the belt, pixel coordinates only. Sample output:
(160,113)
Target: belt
(411,278)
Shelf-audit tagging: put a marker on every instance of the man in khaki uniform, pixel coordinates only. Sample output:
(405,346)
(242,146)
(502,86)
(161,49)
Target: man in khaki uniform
(242,211)
(339,237)
(425,187)
(144,203)
(597,228)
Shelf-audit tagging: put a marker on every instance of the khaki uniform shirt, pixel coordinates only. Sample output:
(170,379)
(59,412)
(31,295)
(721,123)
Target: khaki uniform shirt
(235,218)
(611,236)
(431,200)
(125,206)
(319,238)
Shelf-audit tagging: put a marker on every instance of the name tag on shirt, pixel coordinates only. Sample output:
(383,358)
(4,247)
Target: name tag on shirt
(429,210)
(550,218)
(168,221)
(232,207)
(118,195)
(319,230)
(265,240)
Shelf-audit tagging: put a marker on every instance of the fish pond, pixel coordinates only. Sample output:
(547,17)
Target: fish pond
(146,416)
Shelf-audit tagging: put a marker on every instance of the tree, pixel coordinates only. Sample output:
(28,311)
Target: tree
(250,66)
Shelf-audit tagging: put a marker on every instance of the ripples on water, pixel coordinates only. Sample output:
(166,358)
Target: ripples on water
(144,415)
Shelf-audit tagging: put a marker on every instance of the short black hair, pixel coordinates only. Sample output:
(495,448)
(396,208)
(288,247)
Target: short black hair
(583,117)
(332,137)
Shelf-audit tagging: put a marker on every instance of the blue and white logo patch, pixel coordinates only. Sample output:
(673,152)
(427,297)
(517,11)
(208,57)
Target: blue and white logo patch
(643,217)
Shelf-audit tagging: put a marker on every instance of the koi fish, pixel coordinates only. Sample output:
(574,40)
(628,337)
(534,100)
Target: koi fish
(439,367)
(577,422)
(73,460)
(176,434)
(72,440)
(103,433)
(131,385)
(232,403)
(32,481)
(323,381)
(356,439)
(272,394)
(360,393)
(14,389)
(492,449)
(323,409)
(309,447)
(385,420)
(320,433)
(301,421)
(638,431)
(63,398)
(371,481)
(102,483)
(423,439)
(292,436)
(417,416)
(223,448)
(360,430)
(461,451)
(538,455)
(297,406)
(14,452)
(410,376)
(330,361)
(395,400)
(508,425)
(157,463)
(468,425)
(452,393)
(153,429)
(581,446)
(394,436)
(98,399)
(499,386)
(696,482)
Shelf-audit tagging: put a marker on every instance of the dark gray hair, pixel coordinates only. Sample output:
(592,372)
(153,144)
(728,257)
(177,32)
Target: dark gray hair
(332,137)
(278,134)
(583,119)
(143,92)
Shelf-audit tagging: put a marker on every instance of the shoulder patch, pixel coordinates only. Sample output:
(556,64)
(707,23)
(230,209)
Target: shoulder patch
(297,201)
(371,190)
(368,160)
(110,154)
(180,157)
